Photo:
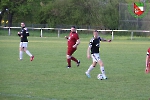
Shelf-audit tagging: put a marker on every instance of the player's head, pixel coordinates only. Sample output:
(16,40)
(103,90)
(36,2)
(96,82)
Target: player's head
(73,29)
(22,24)
(95,34)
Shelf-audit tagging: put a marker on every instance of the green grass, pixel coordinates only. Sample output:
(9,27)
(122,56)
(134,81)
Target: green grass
(47,78)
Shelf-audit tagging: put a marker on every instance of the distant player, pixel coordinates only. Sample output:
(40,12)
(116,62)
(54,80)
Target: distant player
(23,34)
(147,69)
(93,48)
(73,42)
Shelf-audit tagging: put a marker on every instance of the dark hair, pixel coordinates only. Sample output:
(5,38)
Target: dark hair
(73,27)
(95,31)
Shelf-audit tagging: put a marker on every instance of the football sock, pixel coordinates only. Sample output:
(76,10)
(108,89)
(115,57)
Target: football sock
(69,62)
(74,59)
(102,70)
(90,69)
(21,54)
(28,53)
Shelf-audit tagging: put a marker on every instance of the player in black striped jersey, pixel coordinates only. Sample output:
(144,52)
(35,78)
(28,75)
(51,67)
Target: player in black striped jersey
(23,34)
(93,48)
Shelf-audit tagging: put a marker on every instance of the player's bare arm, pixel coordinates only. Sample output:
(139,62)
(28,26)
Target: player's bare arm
(77,43)
(147,61)
(88,52)
(147,69)
(66,37)
(19,34)
(105,40)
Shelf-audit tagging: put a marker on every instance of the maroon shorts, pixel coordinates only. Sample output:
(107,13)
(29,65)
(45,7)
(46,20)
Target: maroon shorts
(70,51)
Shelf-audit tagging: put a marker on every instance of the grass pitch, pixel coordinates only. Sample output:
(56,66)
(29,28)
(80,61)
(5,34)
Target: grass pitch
(47,78)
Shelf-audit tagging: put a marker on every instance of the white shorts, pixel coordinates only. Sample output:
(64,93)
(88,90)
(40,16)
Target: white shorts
(24,44)
(95,57)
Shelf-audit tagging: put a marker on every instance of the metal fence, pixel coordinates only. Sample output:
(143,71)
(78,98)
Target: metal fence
(61,29)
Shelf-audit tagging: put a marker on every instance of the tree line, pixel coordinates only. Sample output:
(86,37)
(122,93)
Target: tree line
(103,13)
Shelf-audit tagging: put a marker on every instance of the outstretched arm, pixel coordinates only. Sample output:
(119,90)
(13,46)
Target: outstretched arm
(102,39)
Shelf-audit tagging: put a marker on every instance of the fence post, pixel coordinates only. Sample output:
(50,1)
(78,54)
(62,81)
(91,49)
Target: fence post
(131,35)
(58,33)
(112,35)
(41,32)
(9,31)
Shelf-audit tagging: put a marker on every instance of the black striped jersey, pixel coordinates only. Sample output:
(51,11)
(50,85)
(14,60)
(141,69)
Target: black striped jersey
(24,34)
(95,45)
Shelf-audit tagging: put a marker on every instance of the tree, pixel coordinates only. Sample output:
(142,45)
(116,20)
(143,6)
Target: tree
(77,12)
(17,8)
(110,14)
(62,12)
(3,8)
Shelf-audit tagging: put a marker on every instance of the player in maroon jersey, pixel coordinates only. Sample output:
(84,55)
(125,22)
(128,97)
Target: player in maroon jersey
(147,69)
(73,42)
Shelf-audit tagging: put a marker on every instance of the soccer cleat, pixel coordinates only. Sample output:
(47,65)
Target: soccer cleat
(68,66)
(104,77)
(31,58)
(87,74)
(20,59)
(78,63)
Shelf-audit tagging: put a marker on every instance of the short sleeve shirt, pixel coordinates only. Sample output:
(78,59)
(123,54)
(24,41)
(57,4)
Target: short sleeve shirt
(24,34)
(95,45)
(72,39)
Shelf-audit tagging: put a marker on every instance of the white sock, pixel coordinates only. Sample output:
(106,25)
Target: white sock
(102,70)
(90,69)
(28,53)
(21,54)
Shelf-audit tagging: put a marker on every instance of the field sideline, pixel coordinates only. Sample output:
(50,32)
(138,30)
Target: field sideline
(47,78)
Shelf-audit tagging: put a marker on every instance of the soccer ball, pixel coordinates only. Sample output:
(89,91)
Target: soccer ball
(99,76)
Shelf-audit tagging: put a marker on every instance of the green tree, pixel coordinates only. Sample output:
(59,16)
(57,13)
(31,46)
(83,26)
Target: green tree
(77,12)
(57,12)
(110,14)
(17,10)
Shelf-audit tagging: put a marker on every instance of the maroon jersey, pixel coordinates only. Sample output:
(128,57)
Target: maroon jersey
(73,37)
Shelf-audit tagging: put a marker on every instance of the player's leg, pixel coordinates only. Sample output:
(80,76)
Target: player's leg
(73,58)
(102,68)
(68,57)
(21,51)
(27,51)
(68,60)
(92,66)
